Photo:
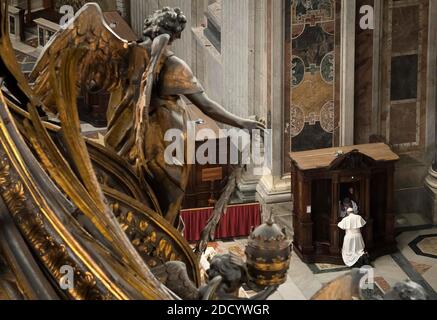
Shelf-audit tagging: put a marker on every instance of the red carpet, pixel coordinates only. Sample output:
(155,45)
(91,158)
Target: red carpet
(237,222)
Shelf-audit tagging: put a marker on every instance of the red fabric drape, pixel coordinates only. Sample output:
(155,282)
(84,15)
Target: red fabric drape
(237,222)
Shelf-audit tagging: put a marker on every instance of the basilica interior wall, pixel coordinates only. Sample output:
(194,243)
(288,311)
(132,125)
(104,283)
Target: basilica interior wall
(292,77)
(364,118)
(391,85)
(208,65)
(391,77)
(140,10)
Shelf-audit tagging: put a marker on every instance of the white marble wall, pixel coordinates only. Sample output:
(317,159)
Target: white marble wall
(122,7)
(260,80)
(275,187)
(244,56)
(193,10)
(347,73)
(236,77)
(238,55)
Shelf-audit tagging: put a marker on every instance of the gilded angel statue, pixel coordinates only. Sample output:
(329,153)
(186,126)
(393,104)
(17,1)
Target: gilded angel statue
(147,82)
(117,234)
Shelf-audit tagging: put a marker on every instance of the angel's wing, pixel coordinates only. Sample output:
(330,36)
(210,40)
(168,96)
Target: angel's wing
(104,60)
(50,186)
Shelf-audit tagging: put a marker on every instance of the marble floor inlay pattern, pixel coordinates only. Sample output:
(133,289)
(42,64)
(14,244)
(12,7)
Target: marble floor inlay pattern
(318,268)
(303,281)
(413,274)
(425,245)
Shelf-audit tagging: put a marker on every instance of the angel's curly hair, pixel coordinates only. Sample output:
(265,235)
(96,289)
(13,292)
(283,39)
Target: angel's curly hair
(168,20)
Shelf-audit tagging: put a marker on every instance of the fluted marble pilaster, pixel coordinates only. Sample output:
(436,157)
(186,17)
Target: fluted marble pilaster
(431,179)
(140,10)
(237,55)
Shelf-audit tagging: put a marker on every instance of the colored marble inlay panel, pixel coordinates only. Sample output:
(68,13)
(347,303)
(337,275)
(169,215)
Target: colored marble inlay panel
(404,77)
(312,45)
(421,268)
(321,268)
(405,29)
(312,94)
(382,284)
(403,123)
(312,11)
(312,137)
(313,60)
(425,245)
(428,245)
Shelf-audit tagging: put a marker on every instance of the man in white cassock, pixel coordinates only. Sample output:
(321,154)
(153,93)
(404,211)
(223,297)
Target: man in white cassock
(353,244)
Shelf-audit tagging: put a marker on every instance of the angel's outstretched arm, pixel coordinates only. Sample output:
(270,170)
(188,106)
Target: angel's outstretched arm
(220,114)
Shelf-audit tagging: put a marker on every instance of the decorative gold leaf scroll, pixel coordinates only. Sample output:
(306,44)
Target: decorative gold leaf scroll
(119,279)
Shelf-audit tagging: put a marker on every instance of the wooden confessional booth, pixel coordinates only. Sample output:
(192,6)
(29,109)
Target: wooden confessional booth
(207,182)
(321,179)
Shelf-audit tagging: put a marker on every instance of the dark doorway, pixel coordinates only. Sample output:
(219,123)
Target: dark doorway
(351,190)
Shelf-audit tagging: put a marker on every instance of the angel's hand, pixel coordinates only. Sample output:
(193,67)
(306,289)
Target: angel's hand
(253,125)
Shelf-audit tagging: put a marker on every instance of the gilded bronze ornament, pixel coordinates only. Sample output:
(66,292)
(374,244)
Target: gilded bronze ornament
(268,254)
(108,212)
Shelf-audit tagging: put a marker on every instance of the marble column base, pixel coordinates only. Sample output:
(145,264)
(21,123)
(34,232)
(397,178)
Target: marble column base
(246,187)
(431,195)
(274,189)
(274,195)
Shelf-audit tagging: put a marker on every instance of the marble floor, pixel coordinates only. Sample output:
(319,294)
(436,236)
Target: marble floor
(416,260)
(410,220)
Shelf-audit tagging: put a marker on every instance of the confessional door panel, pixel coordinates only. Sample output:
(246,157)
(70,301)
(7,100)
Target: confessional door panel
(378,204)
(321,203)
